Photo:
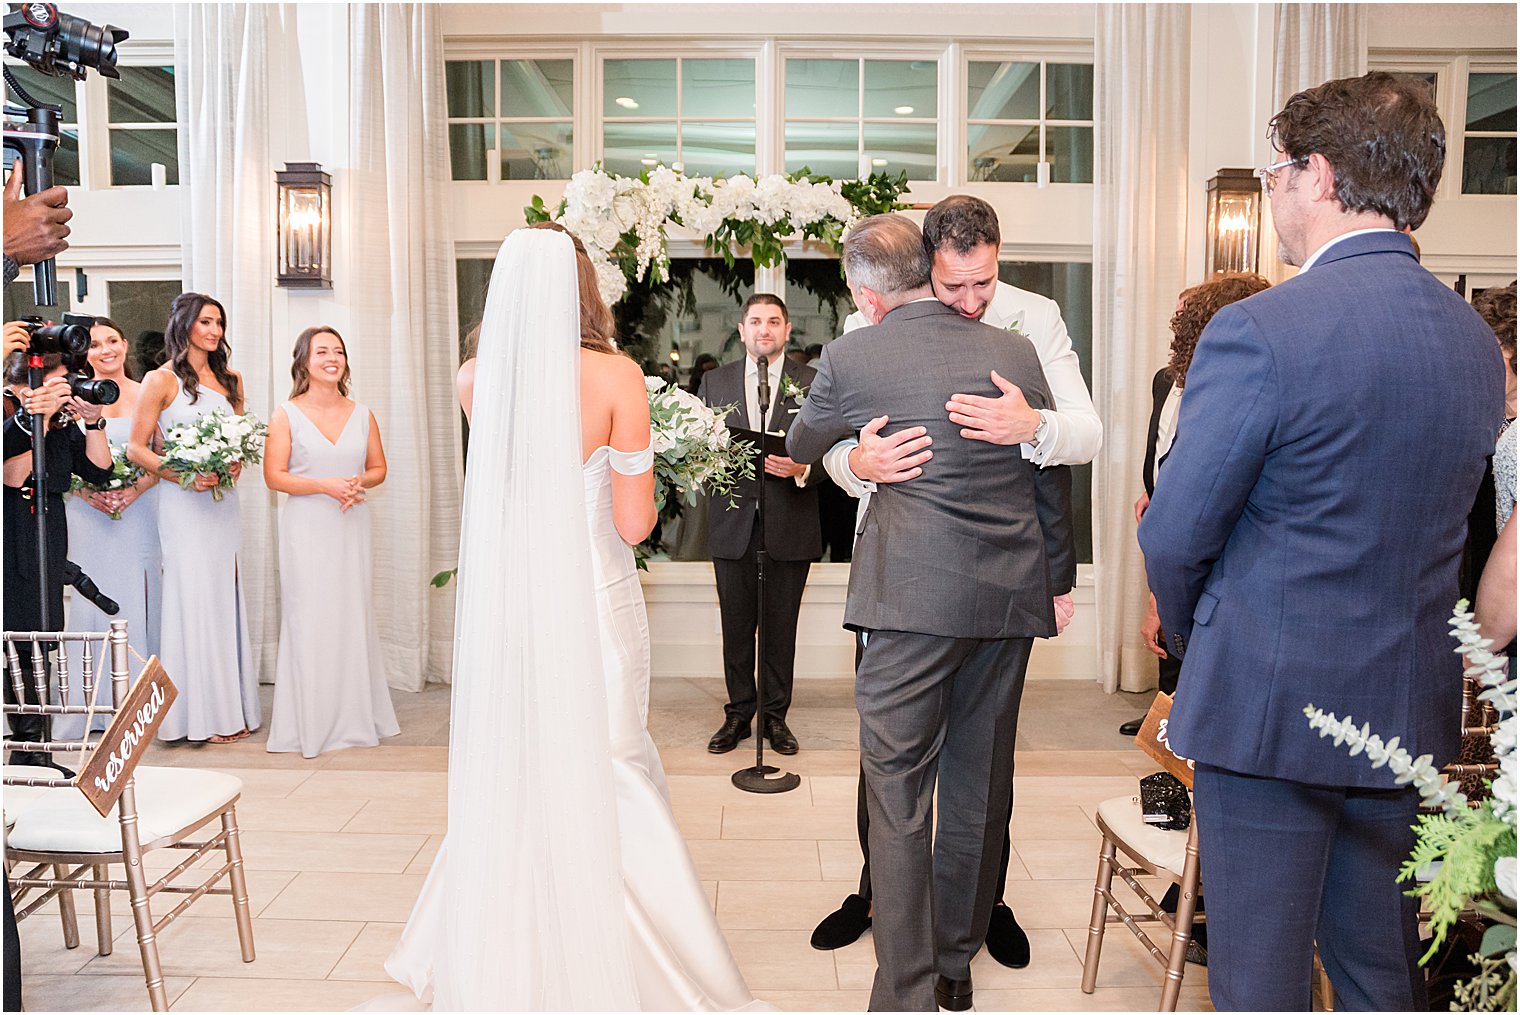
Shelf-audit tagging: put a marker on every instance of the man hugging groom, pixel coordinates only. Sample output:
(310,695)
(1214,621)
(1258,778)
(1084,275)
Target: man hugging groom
(948,588)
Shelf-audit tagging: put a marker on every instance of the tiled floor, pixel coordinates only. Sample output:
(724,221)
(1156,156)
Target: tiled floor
(337,848)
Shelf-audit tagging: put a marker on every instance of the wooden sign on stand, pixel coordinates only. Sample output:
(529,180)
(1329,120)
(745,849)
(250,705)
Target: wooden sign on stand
(1153,740)
(125,741)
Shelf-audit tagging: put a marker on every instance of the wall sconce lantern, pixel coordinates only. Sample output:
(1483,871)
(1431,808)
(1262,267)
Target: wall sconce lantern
(305,226)
(1234,222)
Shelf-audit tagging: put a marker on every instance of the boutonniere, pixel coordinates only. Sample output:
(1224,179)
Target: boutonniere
(1016,326)
(791,389)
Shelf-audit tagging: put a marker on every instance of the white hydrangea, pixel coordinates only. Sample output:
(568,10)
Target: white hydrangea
(1504,876)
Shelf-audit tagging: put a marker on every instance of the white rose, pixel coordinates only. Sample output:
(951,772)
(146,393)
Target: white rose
(1504,875)
(653,384)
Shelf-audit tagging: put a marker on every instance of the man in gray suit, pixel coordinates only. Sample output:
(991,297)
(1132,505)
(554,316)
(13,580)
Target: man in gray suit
(949,586)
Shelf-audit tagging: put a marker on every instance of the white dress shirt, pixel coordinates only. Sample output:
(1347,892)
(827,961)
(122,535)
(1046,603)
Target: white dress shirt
(1314,257)
(758,421)
(1073,432)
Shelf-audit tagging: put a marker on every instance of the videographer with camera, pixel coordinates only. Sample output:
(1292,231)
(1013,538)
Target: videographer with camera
(74,444)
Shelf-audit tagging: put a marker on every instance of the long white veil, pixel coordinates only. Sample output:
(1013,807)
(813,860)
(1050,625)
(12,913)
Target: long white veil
(524,906)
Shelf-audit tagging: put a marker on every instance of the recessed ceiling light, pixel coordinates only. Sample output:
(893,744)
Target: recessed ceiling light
(903,110)
(626,102)
(878,162)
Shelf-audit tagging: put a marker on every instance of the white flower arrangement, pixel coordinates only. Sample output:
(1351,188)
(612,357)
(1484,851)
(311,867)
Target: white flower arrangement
(212,445)
(1464,856)
(123,474)
(622,220)
(693,450)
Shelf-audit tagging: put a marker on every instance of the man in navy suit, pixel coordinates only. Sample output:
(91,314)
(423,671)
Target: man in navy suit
(1303,544)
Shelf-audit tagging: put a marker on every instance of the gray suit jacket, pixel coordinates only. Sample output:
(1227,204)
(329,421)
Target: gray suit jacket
(968,549)
(792,531)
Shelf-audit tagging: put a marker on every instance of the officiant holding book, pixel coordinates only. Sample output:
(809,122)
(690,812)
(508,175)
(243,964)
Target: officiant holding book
(791,535)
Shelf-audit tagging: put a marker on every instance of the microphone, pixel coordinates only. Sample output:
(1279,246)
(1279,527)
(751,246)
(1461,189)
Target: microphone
(763,366)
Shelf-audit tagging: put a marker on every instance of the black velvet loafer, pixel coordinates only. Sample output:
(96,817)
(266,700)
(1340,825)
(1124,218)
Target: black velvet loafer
(844,925)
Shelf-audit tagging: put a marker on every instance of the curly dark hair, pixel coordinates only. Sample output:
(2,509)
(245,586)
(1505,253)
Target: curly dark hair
(1199,305)
(183,313)
(961,223)
(1496,305)
(1382,135)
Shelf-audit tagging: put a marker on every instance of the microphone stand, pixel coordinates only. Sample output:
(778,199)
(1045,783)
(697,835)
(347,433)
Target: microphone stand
(756,780)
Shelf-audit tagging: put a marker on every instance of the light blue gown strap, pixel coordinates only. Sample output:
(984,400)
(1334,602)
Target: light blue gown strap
(631,463)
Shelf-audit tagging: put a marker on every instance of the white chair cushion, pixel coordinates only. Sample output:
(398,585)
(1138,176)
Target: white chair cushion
(1158,846)
(19,798)
(168,799)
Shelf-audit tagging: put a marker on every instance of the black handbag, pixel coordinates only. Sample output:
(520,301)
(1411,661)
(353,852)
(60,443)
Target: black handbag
(1164,802)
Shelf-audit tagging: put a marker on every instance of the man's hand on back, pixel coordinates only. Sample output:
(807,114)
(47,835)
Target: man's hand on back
(891,459)
(1007,419)
(36,227)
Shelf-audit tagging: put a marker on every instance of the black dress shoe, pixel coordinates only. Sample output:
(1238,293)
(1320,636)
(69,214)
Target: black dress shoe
(844,925)
(782,741)
(952,995)
(1131,728)
(728,736)
(1006,940)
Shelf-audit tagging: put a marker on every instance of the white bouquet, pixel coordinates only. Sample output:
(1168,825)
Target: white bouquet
(693,452)
(212,445)
(123,475)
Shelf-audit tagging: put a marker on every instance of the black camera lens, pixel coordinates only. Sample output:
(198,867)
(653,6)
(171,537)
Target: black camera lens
(94,390)
(70,342)
(61,44)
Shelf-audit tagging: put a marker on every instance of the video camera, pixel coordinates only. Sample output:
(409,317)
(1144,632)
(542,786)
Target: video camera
(70,341)
(58,45)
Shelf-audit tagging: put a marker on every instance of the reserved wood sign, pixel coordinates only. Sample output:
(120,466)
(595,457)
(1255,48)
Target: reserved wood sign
(1153,740)
(125,741)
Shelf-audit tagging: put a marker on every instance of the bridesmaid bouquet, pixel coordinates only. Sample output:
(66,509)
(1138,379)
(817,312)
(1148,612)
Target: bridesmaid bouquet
(693,450)
(212,445)
(123,475)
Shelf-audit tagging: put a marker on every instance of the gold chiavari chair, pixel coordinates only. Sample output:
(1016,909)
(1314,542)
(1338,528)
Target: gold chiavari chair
(70,847)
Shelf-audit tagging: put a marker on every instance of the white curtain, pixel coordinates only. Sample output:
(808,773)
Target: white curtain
(1139,260)
(1312,43)
(226,182)
(401,290)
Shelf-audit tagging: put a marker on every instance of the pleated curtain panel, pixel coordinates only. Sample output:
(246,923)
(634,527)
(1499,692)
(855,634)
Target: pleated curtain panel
(396,285)
(1141,113)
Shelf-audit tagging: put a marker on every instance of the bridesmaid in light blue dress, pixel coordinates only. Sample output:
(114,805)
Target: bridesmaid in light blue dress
(121,555)
(203,638)
(324,451)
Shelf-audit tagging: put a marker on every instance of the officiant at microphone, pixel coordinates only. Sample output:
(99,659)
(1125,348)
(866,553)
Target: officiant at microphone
(792,538)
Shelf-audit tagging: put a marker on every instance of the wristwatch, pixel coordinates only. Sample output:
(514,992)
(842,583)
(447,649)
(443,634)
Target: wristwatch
(1041,429)
(100,424)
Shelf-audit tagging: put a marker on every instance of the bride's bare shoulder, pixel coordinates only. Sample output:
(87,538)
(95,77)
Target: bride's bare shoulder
(610,369)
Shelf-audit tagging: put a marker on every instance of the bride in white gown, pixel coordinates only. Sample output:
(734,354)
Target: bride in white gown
(563,883)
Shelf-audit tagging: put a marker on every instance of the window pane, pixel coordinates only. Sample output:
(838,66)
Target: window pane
(902,88)
(828,149)
(45,88)
(142,310)
(471,87)
(536,151)
(823,88)
(468,144)
(1003,91)
(718,149)
(20,300)
(631,148)
(1491,102)
(1069,150)
(718,88)
(639,88)
(1069,91)
(66,158)
(894,147)
(538,88)
(1488,165)
(1070,285)
(1002,154)
(817,299)
(473,276)
(143,95)
(133,153)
